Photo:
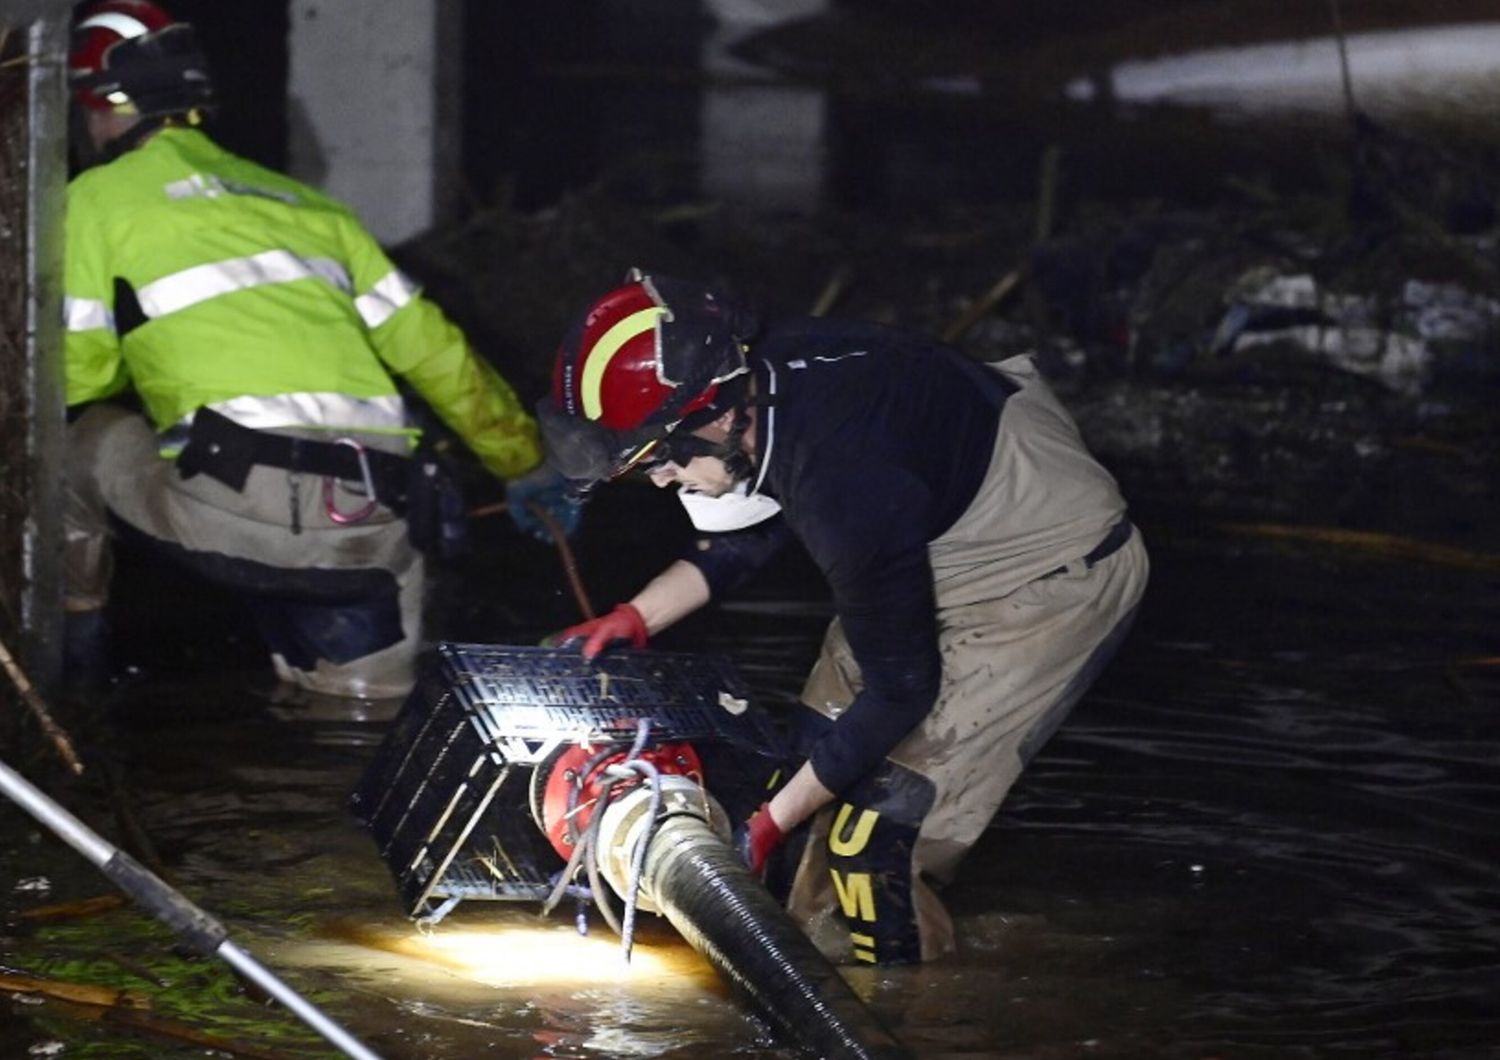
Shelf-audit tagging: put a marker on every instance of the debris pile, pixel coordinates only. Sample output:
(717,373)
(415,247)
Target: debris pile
(1265,353)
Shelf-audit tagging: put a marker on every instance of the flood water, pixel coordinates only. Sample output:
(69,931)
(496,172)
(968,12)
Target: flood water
(1268,832)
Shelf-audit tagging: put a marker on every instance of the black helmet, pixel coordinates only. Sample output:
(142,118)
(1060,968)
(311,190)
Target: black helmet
(132,57)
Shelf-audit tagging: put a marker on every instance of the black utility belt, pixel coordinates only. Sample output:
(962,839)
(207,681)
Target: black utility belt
(1112,543)
(219,447)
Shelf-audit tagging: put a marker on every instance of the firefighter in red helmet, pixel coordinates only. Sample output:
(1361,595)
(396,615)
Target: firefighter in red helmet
(133,53)
(261,331)
(655,356)
(981,564)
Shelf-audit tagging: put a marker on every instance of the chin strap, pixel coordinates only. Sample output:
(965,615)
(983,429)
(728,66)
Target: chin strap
(133,136)
(739,463)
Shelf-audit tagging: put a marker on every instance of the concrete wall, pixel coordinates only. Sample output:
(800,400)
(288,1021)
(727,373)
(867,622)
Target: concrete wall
(373,102)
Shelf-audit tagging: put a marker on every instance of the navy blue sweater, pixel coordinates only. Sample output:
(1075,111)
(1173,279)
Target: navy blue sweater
(874,442)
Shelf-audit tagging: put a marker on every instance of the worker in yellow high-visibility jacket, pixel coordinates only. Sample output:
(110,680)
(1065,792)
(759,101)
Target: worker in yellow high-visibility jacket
(261,328)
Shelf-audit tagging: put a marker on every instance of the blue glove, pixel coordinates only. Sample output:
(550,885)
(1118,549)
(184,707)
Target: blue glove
(549,491)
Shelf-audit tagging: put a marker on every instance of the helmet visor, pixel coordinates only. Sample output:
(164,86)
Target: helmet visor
(162,72)
(587,453)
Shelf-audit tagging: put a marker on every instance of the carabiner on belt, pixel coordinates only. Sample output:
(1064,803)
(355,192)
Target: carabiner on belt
(330,505)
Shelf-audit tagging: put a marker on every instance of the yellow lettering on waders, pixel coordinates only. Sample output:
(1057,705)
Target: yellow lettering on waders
(847,847)
(856,891)
(863,947)
(856,896)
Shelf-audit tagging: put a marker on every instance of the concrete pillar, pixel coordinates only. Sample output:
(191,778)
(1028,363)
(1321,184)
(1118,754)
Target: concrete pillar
(373,105)
(46,180)
(762,142)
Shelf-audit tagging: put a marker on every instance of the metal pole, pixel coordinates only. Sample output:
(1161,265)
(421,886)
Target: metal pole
(200,931)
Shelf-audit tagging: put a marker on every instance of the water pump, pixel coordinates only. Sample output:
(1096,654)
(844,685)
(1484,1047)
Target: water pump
(514,773)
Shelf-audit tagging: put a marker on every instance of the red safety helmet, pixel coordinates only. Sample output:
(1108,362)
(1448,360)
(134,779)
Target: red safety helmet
(132,57)
(650,357)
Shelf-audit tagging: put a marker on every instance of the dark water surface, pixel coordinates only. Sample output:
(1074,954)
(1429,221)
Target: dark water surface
(1268,832)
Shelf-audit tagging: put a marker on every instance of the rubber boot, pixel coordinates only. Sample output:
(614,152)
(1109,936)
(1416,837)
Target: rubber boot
(87,656)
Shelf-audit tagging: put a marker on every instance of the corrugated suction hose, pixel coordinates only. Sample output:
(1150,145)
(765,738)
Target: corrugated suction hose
(725,913)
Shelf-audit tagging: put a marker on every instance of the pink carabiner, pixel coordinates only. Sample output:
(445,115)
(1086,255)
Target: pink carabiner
(330,505)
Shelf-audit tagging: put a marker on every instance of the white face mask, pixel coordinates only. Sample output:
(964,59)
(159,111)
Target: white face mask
(734,510)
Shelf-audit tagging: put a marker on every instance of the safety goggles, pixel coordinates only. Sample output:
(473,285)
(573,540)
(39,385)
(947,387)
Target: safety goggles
(672,448)
(587,453)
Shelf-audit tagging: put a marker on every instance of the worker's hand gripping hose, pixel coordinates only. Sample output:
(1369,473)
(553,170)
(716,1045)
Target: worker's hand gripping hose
(757,839)
(662,846)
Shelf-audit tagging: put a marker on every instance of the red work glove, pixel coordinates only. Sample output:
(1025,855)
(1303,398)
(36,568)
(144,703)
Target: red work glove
(757,839)
(623,623)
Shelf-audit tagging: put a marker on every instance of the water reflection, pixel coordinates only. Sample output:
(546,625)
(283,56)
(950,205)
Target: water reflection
(524,952)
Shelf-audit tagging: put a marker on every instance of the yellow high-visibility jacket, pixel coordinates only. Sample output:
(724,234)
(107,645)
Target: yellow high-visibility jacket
(203,279)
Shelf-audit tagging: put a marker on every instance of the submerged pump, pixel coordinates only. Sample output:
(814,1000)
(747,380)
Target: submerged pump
(516,773)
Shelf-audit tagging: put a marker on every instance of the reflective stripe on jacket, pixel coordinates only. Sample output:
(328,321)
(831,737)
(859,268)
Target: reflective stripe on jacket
(242,289)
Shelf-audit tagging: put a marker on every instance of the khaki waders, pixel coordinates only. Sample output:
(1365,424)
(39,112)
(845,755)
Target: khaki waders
(1025,624)
(273,541)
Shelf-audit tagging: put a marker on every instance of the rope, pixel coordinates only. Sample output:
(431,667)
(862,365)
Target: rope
(579,841)
(560,539)
(638,861)
(585,853)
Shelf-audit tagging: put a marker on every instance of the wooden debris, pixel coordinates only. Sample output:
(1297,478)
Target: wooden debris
(129,1010)
(33,699)
(1046,203)
(1045,216)
(135,968)
(79,910)
(1384,546)
(1433,445)
(832,291)
(149,1023)
(78,993)
(991,298)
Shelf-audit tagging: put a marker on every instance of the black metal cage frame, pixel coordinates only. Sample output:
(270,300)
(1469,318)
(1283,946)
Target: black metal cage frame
(449,794)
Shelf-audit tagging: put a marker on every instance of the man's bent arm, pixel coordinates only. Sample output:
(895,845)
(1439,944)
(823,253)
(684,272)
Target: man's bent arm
(803,796)
(672,595)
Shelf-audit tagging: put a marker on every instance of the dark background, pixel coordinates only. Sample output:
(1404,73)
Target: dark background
(534,75)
